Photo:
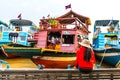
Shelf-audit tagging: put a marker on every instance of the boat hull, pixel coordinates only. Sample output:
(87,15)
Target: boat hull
(54,62)
(110,56)
(27,52)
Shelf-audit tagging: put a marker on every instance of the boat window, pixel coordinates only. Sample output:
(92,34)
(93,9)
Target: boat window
(17,28)
(53,40)
(111,40)
(104,29)
(22,38)
(10,36)
(68,39)
(13,36)
(0,28)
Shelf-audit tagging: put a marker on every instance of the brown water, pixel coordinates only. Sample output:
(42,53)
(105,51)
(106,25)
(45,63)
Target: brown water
(104,65)
(20,63)
(27,63)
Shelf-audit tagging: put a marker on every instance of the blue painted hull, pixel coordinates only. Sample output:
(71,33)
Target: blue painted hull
(110,56)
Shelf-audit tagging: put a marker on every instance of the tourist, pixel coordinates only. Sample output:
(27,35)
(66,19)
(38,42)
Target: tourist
(85,58)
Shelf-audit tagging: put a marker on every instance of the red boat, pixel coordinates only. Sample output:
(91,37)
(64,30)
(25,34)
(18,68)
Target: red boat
(58,39)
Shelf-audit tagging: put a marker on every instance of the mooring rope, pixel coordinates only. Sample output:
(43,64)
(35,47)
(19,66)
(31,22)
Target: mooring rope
(102,57)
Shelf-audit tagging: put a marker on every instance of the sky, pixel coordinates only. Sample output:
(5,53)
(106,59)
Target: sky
(34,10)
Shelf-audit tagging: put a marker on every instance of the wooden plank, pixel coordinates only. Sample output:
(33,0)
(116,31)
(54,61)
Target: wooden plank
(59,74)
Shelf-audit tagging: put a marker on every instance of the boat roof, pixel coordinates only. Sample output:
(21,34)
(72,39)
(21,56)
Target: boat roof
(56,30)
(21,22)
(105,22)
(72,14)
(1,22)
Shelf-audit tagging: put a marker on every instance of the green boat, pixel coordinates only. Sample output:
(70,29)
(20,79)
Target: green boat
(13,50)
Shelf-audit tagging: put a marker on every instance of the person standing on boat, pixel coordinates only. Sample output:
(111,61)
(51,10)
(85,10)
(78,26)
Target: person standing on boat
(85,58)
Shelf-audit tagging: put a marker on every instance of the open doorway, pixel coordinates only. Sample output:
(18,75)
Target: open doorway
(53,40)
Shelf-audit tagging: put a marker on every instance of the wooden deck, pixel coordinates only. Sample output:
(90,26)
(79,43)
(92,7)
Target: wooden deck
(59,74)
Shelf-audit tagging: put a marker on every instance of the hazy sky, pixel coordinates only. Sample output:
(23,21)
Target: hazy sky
(34,10)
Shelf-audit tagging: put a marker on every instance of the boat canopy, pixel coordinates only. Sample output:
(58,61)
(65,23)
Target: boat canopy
(21,22)
(105,22)
(3,23)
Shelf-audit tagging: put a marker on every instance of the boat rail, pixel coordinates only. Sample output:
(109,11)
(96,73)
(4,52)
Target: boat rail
(59,74)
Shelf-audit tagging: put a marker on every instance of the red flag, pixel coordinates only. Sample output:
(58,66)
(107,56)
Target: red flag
(68,6)
(19,16)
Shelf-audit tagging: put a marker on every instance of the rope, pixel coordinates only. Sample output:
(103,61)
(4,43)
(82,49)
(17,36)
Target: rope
(102,57)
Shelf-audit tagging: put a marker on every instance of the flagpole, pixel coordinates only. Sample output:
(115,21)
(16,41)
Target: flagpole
(71,6)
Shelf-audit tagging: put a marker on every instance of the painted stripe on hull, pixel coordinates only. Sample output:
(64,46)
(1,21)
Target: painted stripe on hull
(107,54)
(56,58)
(21,52)
(54,62)
(111,58)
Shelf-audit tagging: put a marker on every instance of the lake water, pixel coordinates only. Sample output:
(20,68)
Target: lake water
(27,63)
(20,63)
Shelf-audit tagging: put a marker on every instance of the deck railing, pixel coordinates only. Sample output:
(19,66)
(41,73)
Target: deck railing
(59,74)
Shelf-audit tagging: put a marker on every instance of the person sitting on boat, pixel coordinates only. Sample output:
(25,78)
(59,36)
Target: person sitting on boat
(52,43)
(85,58)
(57,45)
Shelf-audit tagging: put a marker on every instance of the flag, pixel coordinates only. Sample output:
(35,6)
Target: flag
(19,16)
(68,6)
(48,15)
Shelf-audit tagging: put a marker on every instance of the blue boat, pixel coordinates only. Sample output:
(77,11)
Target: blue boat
(106,41)
(3,27)
(15,32)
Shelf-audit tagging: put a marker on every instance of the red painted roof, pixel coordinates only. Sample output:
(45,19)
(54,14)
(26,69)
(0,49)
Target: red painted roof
(71,14)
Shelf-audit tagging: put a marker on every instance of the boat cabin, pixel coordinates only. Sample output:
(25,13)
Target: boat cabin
(106,34)
(15,33)
(63,40)
(62,33)
(3,27)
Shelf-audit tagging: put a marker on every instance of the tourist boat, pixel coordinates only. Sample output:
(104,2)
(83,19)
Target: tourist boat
(13,50)
(11,32)
(106,41)
(58,39)
(3,27)
(18,37)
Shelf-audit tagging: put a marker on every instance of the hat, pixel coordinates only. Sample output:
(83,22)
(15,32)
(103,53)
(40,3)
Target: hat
(85,43)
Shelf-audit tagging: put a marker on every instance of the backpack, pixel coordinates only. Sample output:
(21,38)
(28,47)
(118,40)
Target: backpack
(87,54)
